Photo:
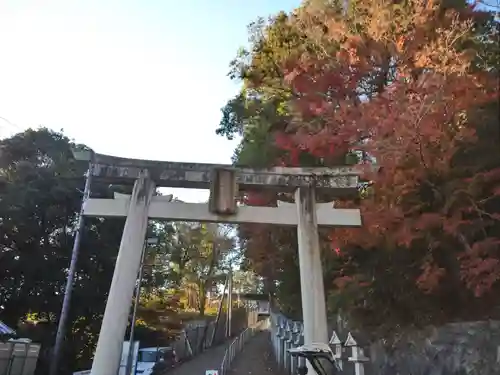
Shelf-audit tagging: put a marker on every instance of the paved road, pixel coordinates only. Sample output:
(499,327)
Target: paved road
(209,360)
(256,358)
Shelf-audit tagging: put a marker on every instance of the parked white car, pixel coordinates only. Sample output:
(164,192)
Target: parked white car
(148,358)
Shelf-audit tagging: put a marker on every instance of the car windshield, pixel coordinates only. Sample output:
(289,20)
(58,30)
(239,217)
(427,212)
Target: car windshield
(323,366)
(151,356)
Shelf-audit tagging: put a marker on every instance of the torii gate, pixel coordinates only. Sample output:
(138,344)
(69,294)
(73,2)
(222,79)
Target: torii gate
(223,182)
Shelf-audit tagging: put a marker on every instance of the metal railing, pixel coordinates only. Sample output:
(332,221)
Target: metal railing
(238,343)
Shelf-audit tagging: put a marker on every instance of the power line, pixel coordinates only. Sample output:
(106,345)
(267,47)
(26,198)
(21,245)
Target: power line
(10,123)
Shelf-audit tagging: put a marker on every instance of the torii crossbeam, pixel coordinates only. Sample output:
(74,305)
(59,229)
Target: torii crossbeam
(142,205)
(161,209)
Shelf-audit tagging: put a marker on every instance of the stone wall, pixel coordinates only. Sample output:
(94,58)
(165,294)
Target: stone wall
(454,349)
(466,348)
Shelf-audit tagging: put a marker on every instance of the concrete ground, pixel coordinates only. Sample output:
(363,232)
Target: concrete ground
(256,358)
(209,360)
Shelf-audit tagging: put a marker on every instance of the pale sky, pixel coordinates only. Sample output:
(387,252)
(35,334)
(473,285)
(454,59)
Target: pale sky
(133,78)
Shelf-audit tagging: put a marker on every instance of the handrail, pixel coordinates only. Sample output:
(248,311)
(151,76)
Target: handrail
(237,345)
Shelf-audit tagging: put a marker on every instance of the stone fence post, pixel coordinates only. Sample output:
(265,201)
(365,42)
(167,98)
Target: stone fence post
(337,348)
(287,334)
(281,342)
(297,340)
(287,343)
(357,357)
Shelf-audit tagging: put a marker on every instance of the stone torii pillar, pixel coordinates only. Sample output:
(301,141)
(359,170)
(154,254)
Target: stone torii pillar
(305,214)
(311,271)
(114,324)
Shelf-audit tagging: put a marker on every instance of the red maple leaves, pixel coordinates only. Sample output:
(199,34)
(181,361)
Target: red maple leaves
(407,96)
(419,128)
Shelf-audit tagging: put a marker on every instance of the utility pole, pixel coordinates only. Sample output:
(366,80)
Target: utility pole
(61,328)
(229,302)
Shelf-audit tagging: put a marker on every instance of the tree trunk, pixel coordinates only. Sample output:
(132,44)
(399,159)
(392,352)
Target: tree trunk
(203,292)
(219,312)
(202,299)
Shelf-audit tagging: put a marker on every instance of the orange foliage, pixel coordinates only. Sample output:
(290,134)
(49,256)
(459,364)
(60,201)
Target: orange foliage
(400,86)
(418,125)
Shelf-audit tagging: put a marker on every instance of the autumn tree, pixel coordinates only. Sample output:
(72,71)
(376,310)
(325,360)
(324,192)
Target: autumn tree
(254,114)
(411,86)
(429,126)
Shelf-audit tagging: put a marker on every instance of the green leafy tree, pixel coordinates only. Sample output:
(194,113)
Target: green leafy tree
(40,196)
(189,260)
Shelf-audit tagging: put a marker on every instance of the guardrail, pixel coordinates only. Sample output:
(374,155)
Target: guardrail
(238,343)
